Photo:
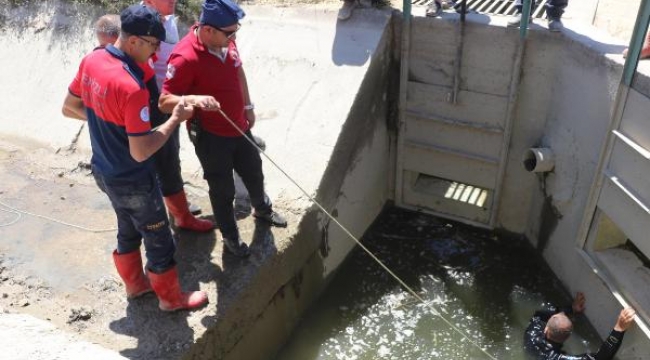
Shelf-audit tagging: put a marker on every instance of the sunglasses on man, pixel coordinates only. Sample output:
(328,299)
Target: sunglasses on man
(154,44)
(228,33)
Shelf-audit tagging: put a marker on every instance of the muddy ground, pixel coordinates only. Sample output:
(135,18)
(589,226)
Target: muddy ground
(57,234)
(55,271)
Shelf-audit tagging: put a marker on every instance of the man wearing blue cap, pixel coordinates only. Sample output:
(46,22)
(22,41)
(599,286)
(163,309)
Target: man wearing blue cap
(206,62)
(108,92)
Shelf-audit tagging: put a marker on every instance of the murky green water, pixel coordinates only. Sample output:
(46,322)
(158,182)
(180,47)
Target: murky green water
(486,286)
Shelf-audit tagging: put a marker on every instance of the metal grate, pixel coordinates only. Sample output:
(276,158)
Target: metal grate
(452,190)
(466,193)
(492,7)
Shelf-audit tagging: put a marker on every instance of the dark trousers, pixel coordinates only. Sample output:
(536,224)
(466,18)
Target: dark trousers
(166,159)
(168,165)
(554,8)
(219,156)
(141,214)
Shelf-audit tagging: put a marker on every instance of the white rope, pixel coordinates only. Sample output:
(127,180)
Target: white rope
(346,231)
(19,214)
(15,220)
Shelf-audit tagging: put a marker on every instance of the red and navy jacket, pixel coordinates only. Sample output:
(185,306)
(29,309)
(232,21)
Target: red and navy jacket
(112,89)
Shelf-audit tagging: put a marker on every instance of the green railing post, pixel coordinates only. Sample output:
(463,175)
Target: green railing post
(525,18)
(406,11)
(636,43)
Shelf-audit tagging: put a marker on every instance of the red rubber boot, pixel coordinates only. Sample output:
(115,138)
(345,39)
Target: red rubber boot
(170,295)
(183,218)
(129,266)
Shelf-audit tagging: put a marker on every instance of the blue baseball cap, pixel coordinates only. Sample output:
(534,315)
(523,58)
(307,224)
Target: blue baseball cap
(220,13)
(142,20)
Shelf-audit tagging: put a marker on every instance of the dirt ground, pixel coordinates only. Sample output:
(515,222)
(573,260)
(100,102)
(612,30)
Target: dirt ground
(57,234)
(50,247)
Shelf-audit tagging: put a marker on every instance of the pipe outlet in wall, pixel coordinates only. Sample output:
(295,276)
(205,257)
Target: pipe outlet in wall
(539,160)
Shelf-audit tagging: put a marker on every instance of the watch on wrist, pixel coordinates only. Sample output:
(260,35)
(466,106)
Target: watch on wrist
(249,107)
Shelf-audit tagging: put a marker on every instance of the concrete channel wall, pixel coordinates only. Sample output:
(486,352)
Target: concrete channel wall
(581,76)
(615,17)
(325,91)
(565,101)
(573,113)
(583,99)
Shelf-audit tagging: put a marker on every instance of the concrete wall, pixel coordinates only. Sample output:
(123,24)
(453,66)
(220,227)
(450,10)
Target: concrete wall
(565,100)
(567,97)
(42,44)
(617,17)
(576,114)
(354,189)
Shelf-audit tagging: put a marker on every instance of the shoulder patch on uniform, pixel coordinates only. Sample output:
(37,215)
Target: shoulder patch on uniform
(235,57)
(171,70)
(144,114)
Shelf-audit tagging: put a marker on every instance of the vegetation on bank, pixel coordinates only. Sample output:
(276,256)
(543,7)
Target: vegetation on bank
(187,10)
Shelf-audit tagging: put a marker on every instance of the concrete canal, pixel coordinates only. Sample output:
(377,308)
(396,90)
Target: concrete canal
(485,285)
(436,116)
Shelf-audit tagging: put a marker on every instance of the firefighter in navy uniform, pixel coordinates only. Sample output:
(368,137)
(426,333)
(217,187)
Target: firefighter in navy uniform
(109,93)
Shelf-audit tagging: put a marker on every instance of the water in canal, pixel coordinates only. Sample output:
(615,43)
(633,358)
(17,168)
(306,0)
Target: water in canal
(487,286)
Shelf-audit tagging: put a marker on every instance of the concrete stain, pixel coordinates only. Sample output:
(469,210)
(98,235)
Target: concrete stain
(550,216)
(296,284)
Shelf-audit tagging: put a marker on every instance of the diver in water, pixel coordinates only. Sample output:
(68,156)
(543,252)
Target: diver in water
(549,329)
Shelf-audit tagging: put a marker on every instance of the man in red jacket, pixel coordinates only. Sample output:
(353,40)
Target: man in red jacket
(206,62)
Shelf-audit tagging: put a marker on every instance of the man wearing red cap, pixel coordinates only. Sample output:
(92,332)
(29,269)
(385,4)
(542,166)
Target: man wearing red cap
(109,92)
(206,62)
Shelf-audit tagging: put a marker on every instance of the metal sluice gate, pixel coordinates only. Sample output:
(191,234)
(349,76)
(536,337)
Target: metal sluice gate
(492,7)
